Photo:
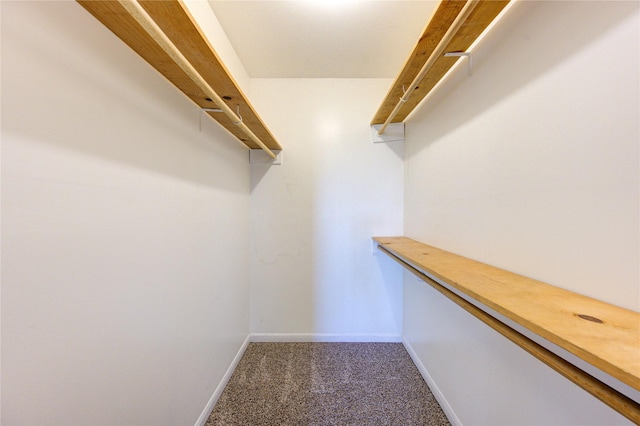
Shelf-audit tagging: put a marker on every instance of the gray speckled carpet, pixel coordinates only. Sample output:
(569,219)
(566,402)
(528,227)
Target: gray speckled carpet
(326,384)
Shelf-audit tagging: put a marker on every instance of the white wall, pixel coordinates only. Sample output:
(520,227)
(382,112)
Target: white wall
(125,232)
(531,165)
(313,217)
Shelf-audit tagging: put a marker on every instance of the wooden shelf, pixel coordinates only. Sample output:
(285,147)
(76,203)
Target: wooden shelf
(604,335)
(178,24)
(484,13)
(612,345)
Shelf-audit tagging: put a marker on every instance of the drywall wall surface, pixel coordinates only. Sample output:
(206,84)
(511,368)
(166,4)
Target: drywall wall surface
(484,379)
(312,218)
(531,165)
(125,232)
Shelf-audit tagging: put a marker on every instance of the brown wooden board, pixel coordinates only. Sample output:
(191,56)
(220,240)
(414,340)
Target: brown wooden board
(484,13)
(176,22)
(604,335)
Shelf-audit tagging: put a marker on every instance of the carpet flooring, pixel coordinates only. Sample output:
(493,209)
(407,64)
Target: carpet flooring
(326,384)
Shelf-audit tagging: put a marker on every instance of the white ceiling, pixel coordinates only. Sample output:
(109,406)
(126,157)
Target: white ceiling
(323,38)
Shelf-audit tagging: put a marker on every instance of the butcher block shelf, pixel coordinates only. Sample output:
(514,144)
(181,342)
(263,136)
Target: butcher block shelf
(483,14)
(177,23)
(604,335)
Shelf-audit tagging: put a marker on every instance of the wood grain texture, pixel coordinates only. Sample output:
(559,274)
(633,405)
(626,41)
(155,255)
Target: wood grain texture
(614,399)
(478,21)
(612,345)
(176,22)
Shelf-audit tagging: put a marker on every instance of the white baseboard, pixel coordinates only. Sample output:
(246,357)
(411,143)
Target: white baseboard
(448,411)
(319,337)
(225,379)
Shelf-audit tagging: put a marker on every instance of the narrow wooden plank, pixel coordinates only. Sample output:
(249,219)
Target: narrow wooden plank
(478,21)
(174,19)
(604,335)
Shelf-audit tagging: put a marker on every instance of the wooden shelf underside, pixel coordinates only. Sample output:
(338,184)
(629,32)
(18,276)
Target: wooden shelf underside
(177,23)
(484,13)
